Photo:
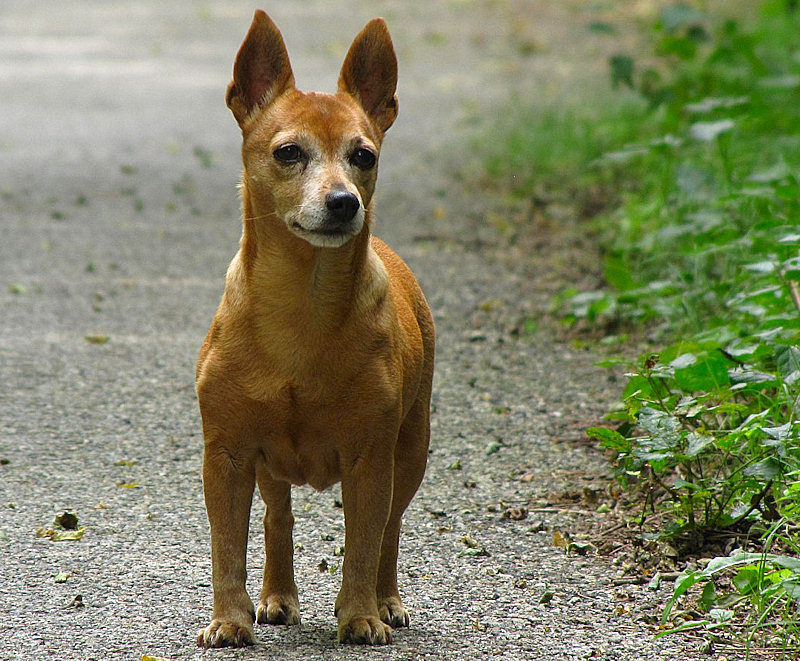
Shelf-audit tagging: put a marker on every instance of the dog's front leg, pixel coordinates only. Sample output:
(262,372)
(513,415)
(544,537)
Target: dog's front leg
(278,603)
(228,484)
(367,499)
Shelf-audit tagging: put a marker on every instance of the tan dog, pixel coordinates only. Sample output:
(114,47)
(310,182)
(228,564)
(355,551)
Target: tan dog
(318,364)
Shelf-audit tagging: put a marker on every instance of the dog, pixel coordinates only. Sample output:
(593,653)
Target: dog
(318,364)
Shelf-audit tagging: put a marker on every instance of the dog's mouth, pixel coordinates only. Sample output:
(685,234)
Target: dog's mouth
(321,231)
(324,237)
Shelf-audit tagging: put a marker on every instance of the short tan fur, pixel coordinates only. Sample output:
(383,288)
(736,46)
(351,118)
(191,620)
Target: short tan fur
(317,367)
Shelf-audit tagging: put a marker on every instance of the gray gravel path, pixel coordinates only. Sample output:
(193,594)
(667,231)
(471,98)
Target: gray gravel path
(119,214)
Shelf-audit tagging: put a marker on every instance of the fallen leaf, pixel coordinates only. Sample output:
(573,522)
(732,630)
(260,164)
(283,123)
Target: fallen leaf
(516,513)
(97,339)
(62,577)
(67,520)
(655,582)
(128,485)
(125,462)
(491,304)
(560,540)
(493,447)
(67,535)
(147,657)
(473,548)
(580,548)
(470,541)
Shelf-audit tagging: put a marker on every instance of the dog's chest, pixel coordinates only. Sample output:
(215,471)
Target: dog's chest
(318,408)
(303,445)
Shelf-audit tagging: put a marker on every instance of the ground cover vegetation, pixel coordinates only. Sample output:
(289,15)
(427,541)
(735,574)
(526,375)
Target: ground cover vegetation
(698,155)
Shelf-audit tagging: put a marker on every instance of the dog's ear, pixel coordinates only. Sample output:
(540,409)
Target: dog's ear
(369,73)
(261,71)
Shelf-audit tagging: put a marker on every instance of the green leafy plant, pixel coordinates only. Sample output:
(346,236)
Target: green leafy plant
(705,248)
(703,433)
(701,255)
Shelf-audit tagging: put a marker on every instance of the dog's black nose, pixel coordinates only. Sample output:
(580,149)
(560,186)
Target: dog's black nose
(342,205)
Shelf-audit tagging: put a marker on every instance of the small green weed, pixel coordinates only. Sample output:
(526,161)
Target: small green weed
(704,431)
(762,594)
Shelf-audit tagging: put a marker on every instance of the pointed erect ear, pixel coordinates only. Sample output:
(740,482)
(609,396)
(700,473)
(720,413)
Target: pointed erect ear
(369,73)
(261,71)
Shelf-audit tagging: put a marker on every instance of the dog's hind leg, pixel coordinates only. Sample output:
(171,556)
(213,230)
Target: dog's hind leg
(278,602)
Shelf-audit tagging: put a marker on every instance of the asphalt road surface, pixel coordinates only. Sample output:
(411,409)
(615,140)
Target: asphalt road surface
(118,216)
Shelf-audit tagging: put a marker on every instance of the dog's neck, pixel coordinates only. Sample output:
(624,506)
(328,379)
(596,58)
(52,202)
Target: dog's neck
(322,285)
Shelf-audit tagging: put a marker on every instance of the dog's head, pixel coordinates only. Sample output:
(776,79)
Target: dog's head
(312,158)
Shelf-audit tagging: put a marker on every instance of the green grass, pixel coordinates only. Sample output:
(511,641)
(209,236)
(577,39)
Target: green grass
(551,146)
(700,153)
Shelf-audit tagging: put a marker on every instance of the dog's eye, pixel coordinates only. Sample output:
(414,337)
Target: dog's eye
(288,154)
(363,159)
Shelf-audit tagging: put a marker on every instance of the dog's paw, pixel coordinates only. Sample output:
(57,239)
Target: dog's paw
(366,630)
(392,612)
(279,609)
(221,633)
